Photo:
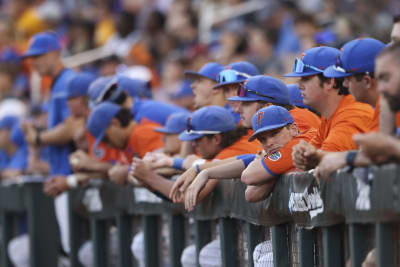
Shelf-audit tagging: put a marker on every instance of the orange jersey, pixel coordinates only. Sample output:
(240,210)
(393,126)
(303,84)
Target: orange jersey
(240,147)
(142,139)
(103,152)
(397,119)
(305,119)
(350,117)
(281,162)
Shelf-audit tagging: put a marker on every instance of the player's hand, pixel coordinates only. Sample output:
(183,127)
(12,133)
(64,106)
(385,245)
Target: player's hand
(329,163)
(305,156)
(140,170)
(79,160)
(376,146)
(158,160)
(55,186)
(192,193)
(118,173)
(180,185)
(29,133)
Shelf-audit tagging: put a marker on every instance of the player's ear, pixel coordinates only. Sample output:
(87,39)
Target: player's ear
(217,138)
(294,130)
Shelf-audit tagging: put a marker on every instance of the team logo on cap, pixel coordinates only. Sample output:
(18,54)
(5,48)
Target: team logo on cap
(275,157)
(259,117)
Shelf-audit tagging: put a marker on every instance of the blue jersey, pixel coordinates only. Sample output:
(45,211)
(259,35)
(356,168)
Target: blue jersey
(153,110)
(4,160)
(19,160)
(58,112)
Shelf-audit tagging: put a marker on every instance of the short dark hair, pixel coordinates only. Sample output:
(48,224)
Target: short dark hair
(230,137)
(261,104)
(120,98)
(338,84)
(124,116)
(359,76)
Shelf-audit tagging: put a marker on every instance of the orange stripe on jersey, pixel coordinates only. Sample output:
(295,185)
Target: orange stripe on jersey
(103,152)
(305,119)
(351,117)
(240,147)
(281,162)
(142,139)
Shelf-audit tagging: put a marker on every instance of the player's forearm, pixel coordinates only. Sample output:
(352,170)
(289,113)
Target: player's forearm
(215,163)
(160,184)
(258,193)
(229,170)
(59,135)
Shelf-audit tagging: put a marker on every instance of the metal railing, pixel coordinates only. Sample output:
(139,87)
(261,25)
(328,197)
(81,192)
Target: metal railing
(334,221)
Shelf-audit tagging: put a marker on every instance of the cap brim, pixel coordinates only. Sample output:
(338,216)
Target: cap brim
(330,72)
(33,53)
(189,137)
(227,83)
(301,74)
(244,99)
(267,128)
(164,130)
(192,75)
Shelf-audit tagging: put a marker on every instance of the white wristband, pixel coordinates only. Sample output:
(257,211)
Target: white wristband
(72,181)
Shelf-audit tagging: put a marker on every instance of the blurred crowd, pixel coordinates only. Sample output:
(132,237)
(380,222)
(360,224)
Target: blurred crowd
(131,91)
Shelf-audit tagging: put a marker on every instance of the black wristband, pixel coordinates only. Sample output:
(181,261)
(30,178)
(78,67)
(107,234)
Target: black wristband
(350,158)
(38,142)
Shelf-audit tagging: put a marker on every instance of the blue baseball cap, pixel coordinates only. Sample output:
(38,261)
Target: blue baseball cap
(209,70)
(176,123)
(184,90)
(208,120)
(295,96)
(235,73)
(42,43)
(264,88)
(99,120)
(314,61)
(95,89)
(78,85)
(269,118)
(119,84)
(8,122)
(357,56)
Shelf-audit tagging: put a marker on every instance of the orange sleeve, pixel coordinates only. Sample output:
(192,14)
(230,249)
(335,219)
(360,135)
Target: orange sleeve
(343,127)
(103,152)
(305,119)
(398,119)
(143,139)
(281,161)
(240,147)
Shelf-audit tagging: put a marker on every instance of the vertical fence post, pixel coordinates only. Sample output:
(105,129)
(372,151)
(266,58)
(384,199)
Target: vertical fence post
(124,226)
(99,234)
(176,225)
(332,243)
(75,228)
(254,237)
(384,244)
(358,243)
(306,242)
(7,223)
(203,236)
(42,227)
(229,242)
(280,245)
(151,228)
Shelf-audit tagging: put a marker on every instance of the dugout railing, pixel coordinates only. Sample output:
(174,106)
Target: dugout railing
(310,223)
